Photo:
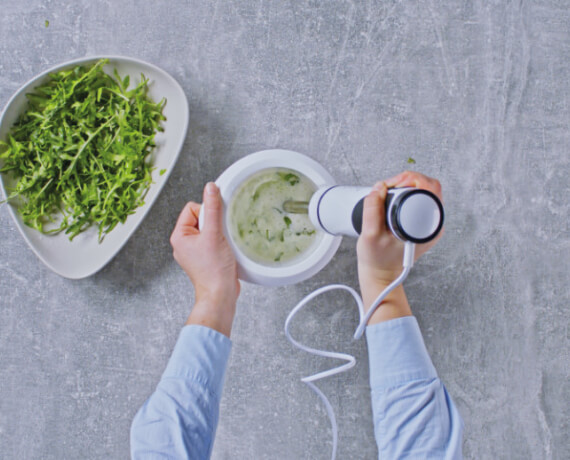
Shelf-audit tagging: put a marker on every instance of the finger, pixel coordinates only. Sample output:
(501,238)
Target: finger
(213,209)
(405,179)
(415,179)
(373,220)
(187,223)
(394,180)
(188,218)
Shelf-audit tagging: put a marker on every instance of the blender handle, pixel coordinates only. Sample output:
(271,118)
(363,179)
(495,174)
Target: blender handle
(412,214)
(358,211)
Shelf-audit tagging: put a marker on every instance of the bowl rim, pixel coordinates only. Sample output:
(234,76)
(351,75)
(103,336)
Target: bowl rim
(297,270)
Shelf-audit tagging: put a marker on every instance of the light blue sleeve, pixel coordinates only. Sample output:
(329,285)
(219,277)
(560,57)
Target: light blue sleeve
(179,420)
(414,416)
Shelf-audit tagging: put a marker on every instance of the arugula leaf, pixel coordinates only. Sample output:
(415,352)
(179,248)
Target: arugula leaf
(80,153)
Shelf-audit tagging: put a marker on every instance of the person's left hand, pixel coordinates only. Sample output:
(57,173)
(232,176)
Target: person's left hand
(209,262)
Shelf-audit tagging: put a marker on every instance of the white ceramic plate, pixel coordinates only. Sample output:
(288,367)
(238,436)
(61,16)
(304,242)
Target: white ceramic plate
(84,255)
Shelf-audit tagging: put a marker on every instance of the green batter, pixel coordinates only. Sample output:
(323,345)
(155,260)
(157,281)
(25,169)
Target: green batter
(260,227)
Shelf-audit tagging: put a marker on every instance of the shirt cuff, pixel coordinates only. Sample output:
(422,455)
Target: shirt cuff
(397,353)
(201,354)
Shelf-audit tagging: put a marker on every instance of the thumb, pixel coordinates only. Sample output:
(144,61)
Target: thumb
(213,209)
(373,214)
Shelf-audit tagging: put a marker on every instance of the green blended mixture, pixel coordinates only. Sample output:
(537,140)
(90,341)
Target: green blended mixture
(260,226)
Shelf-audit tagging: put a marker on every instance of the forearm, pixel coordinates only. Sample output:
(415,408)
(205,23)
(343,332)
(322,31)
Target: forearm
(216,313)
(414,416)
(395,305)
(179,419)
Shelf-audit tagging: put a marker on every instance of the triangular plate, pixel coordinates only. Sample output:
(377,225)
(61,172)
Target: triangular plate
(84,255)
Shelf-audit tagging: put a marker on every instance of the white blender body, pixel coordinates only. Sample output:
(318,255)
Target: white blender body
(331,208)
(412,214)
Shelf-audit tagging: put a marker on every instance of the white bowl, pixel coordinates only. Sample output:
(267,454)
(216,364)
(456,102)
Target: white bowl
(84,255)
(307,264)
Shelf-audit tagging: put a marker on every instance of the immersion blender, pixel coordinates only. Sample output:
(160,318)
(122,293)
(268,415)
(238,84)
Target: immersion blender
(412,214)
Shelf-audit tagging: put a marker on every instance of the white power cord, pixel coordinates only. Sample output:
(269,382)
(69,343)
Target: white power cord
(408,262)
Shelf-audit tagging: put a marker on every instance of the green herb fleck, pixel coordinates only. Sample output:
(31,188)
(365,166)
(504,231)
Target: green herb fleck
(162,171)
(46,23)
(278,258)
(411,161)
(289,177)
(287,221)
(80,151)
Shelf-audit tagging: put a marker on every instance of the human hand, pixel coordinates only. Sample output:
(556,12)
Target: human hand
(209,262)
(380,253)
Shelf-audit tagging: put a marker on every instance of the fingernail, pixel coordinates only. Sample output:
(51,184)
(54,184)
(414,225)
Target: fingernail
(211,188)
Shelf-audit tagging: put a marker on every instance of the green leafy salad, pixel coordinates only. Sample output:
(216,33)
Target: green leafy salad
(80,153)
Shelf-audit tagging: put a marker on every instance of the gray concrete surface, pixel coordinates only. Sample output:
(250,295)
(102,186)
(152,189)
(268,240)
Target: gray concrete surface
(476,92)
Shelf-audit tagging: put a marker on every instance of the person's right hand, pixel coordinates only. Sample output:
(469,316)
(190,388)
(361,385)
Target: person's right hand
(380,253)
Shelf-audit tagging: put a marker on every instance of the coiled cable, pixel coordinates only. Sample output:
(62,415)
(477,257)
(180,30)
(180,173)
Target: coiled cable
(409,250)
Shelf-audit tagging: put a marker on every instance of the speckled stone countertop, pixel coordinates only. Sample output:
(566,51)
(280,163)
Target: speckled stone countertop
(477,93)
